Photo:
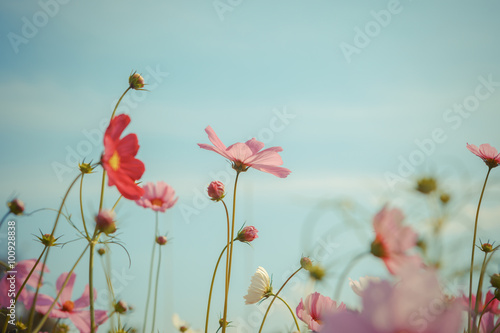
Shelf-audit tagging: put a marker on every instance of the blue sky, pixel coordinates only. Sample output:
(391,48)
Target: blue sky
(360,127)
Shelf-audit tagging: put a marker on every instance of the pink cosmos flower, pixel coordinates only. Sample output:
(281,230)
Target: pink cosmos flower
(247,234)
(119,158)
(415,304)
(22,268)
(76,311)
(487,153)
(248,154)
(315,309)
(159,197)
(392,239)
(493,303)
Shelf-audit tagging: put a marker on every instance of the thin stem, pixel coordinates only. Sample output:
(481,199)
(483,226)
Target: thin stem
(224,318)
(4,217)
(291,311)
(55,325)
(156,288)
(347,269)
(483,312)
(150,276)
(212,286)
(117,103)
(472,256)
(105,267)
(42,321)
(35,297)
(81,207)
(480,287)
(91,284)
(274,298)
(6,322)
(116,203)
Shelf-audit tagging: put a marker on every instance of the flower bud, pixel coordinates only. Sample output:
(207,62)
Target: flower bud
(121,307)
(136,81)
(101,251)
(16,207)
(495,281)
(247,234)
(306,263)
(486,247)
(445,197)
(162,240)
(216,191)
(426,185)
(48,240)
(105,221)
(85,168)
(317,272)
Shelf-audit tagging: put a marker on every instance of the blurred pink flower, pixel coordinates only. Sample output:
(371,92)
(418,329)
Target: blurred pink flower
(22,270)
(492,303)
(488,324)
(247,234)
(315,309)
(392,239)
(415,304)
(76,311)
(159,197)
(119,158)
(248,154)
(487,153)
(216,191)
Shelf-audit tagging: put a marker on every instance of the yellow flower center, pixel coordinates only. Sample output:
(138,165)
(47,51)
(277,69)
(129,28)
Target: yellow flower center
(114,161)
(157,202)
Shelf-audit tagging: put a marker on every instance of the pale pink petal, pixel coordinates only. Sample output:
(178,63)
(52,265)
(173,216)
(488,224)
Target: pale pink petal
(348,322)
(488,151)
(215,149)
(81,320)
(68,290)
(214,138)
(254,145)
(239,152)
(474,150)
(268,156)
(273,170)
(84,300)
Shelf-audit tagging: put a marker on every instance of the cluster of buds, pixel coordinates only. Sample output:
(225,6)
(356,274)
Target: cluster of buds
(105,221)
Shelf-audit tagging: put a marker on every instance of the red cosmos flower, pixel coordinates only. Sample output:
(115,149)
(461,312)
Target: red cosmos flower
(487,153)
(119,158)
(248,154)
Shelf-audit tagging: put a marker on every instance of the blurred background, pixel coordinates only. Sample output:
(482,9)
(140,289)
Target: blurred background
(365,98)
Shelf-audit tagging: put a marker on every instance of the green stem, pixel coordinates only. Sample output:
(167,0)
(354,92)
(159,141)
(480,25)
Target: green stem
(6,322)
(81,208)
(4,217)
(156,287)
(35,297)
(483,312)
(150,276)
(347,269)
(118,103)
(472,256)
(91,285)
(274,298)
(291,311)
(107,275)
(224,318)
(212,286)
(480,287)
(116,203)
(42,321)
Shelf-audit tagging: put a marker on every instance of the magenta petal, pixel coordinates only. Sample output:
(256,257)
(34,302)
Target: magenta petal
(84,300)
(81,320)
(68,290)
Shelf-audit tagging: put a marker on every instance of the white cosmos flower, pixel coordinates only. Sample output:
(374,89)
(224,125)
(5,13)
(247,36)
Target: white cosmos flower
(181,325)
(359,286)
(260,286)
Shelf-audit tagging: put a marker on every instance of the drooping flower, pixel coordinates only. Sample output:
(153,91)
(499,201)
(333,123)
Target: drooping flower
(159,197)
(315,308)
(248,154)
(392,239)
(415,304)
(247,234)
(22,270)
(260,287)
(119,158)
(487,153)
(105,221)
(76,311)
(216,191)
(359,286)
